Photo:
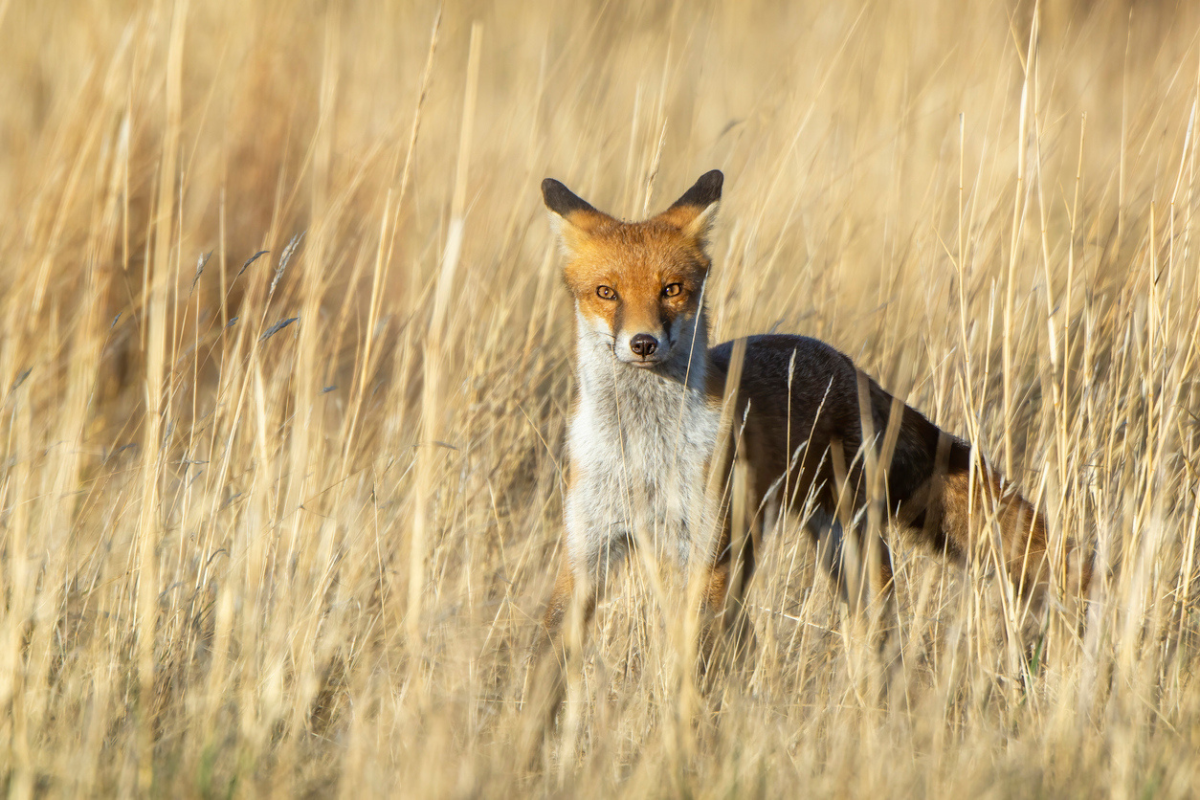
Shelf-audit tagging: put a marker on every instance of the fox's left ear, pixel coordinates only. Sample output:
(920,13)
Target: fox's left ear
(695,211)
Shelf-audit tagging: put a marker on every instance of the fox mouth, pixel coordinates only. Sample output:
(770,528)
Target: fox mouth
(647,362)
(641,363)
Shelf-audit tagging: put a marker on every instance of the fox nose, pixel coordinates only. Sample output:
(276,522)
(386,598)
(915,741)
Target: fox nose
(643,344)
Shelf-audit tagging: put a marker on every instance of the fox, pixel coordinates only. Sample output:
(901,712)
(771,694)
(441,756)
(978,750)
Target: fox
(644,433)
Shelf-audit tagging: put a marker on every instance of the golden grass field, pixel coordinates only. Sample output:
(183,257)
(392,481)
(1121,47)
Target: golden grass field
(312,563)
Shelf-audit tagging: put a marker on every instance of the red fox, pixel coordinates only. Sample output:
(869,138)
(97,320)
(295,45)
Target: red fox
(645,425)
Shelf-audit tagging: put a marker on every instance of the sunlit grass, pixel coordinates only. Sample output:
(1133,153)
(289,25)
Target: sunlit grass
(247,557)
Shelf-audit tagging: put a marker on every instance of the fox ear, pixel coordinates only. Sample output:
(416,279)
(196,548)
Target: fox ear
(695,211)
(573,219)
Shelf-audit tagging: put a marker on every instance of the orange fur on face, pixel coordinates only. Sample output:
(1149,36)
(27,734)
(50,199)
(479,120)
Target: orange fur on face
(638,261)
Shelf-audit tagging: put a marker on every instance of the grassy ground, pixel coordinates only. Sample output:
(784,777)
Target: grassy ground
(243,559)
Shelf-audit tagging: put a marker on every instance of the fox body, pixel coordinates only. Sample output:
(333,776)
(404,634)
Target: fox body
(644,432)
(639,445)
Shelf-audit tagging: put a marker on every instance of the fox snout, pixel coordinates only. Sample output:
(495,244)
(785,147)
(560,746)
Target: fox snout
(643,345)
(643,349)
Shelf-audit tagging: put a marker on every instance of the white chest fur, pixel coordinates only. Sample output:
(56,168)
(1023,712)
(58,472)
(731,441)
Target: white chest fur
(639,445)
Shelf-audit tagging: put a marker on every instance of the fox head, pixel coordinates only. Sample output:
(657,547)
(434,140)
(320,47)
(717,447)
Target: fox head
(637,285)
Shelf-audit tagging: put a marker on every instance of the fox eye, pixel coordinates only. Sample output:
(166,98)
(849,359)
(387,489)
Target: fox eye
(672,289)
(606,293)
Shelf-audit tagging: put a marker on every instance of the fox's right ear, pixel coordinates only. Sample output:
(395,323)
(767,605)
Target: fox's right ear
(573,219)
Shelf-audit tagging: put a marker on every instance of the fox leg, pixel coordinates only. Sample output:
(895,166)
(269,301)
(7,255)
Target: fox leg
(582,578)
(568,614)
(848,574)
(581,582)
(560,599)
(727,634)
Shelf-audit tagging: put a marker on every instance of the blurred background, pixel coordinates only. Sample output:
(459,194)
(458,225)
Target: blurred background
(284,524)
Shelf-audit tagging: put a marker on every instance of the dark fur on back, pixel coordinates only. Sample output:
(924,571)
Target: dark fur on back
(821,409)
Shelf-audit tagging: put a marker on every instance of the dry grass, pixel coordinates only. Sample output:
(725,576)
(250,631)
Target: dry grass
(310,562)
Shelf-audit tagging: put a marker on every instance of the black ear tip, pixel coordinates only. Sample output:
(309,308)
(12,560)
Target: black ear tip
(705,191)
(713,180)
(550,188)
(560,199)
